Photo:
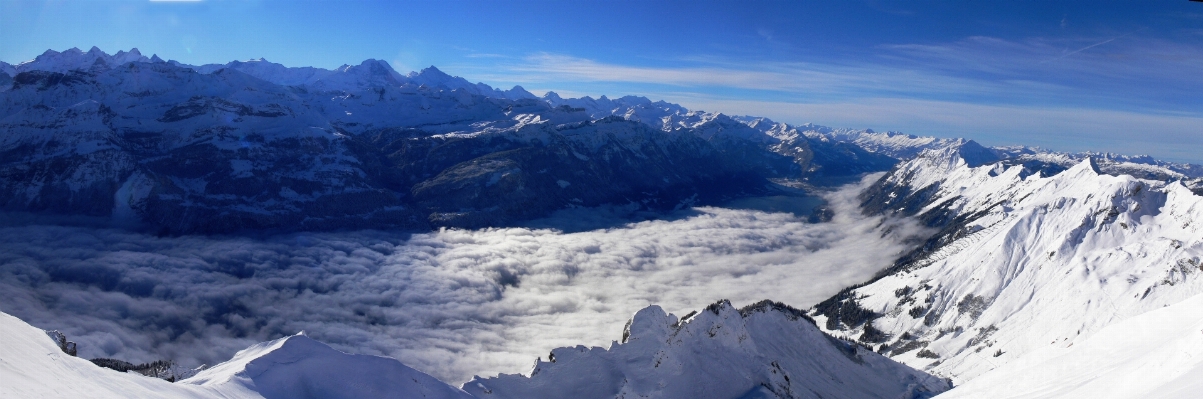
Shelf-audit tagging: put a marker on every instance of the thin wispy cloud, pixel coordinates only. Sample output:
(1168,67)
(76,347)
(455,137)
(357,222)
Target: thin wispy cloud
(486,55)
(979,70)
(1098,91)
(1095,45)
(799,79)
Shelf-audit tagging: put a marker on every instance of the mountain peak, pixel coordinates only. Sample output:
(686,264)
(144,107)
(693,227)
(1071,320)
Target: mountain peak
(969,151)
(430,74)
(377,67)
(1089,166)
(975,154)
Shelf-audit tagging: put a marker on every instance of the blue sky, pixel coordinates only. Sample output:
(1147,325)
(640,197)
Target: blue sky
(1114,76)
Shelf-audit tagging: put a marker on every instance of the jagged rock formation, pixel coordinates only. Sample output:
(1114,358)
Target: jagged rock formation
(764,350)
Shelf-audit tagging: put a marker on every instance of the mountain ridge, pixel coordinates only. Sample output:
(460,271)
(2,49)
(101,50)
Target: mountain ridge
(221,149)
(1074,251)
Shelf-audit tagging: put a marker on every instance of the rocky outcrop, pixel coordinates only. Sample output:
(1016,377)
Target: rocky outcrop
(764,350)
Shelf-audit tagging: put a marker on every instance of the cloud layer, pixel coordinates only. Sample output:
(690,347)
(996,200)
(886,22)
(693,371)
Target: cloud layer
(452,303)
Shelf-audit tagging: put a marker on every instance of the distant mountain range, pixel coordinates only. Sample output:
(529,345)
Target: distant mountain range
(254,145)
(258,146)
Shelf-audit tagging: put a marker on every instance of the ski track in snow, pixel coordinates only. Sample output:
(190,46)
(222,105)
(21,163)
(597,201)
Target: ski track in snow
(452,303)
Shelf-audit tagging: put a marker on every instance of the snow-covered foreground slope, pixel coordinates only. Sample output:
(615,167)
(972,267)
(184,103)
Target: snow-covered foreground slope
(1023,263)
(765,350)
(1158,354)
(31,366)
(299,367)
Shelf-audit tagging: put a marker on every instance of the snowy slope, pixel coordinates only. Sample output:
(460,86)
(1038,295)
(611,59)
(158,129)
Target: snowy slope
(766,350)
(1155,355)
(32,366)
(1024,262)
(299,367)
(1158,354)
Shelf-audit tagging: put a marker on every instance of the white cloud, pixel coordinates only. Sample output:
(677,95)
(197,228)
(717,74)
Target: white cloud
(794,77)
(453,303)
(1122,93)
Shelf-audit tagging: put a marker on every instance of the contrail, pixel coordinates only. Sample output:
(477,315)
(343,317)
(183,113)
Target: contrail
(1093,45)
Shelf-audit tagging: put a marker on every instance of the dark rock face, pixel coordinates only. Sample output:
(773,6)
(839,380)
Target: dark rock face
(183,152)
(524,182)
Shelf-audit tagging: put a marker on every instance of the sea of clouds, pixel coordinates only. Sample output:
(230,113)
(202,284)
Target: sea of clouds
(452,303)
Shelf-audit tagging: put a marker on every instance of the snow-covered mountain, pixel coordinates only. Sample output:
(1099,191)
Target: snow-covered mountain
(661,114)
(76,59)
(764,350)
(256,145)
(352,76)
(904,146)
(299,367)
(1141,166)
(295,367)
(1024,260)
